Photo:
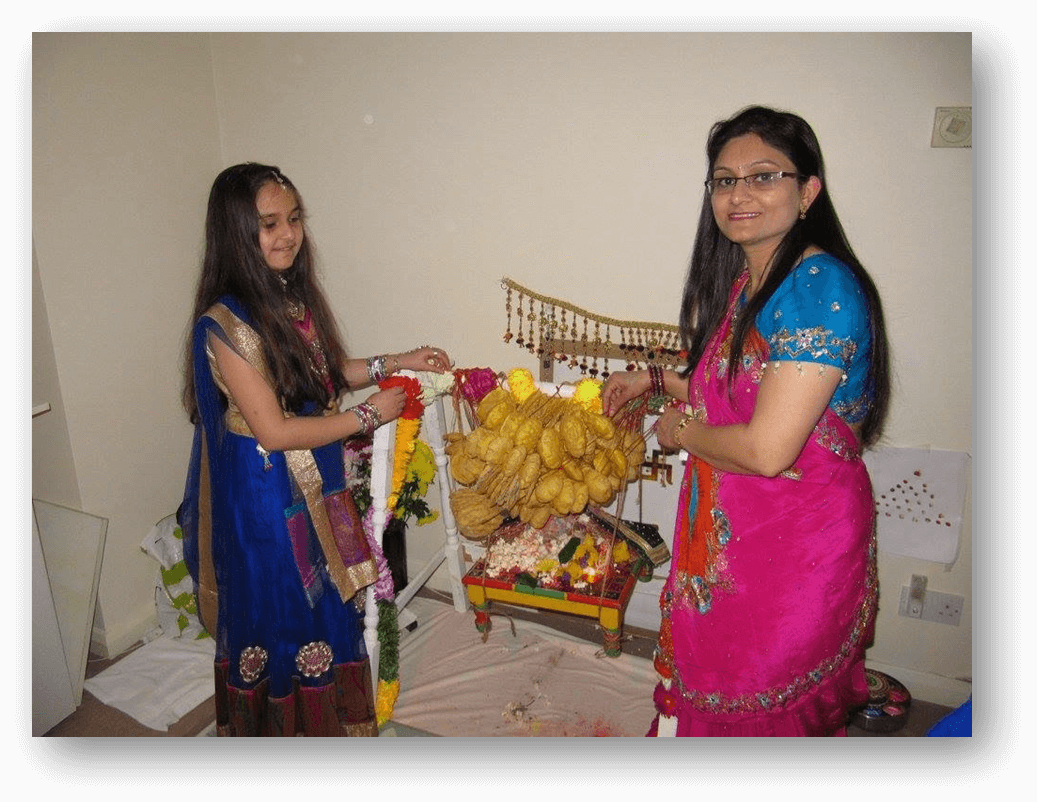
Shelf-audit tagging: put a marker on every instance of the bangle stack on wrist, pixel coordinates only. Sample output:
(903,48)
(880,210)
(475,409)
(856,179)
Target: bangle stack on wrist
(655,375)
(368,416)
(377,371)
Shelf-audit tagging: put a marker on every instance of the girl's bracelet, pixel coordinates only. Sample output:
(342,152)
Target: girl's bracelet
(376,369)
(368,415)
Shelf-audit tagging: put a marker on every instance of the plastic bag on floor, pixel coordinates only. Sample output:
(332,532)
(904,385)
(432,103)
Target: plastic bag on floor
(175,601)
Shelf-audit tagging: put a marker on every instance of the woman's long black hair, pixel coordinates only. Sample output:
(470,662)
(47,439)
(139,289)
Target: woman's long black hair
(233,264)
(716,261)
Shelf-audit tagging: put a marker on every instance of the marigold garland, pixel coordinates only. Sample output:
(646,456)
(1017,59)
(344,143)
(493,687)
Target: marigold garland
(521,384)
(588,395)
(385,703)
(414,407)
(407,427)
(406,437)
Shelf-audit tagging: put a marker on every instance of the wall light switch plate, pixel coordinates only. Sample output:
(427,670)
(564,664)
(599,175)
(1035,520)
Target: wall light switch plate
(952,127)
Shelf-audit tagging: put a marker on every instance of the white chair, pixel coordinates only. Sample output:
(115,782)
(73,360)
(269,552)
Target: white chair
(432,430)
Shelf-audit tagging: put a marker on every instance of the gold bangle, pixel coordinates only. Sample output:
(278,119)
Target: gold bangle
(676,434)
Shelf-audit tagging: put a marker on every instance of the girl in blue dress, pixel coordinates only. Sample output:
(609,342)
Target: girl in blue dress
(272,536)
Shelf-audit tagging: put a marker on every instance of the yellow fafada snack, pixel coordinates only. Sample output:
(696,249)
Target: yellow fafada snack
(533,456)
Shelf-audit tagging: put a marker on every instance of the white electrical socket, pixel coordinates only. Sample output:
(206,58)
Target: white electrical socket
(943,608)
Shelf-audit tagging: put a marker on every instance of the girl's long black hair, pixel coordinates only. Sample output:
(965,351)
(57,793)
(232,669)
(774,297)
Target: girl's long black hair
(716,261)
(233,264)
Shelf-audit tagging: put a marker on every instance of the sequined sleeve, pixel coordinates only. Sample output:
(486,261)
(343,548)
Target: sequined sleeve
(820,314)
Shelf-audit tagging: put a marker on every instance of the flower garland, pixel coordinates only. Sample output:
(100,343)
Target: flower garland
(407,427)
(587,395)
(388,663)
(521,384)
(420,474)
(413,470)
(474,383)
(357,458)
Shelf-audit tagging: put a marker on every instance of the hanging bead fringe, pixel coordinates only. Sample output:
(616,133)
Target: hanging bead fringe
(557,331)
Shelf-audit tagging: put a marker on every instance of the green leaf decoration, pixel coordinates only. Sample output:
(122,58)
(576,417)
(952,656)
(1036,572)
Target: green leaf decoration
(389,638)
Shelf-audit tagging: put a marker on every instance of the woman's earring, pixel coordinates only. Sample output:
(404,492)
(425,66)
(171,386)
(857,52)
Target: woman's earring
(802,212)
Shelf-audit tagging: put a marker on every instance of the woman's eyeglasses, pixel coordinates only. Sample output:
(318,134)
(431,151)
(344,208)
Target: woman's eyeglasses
(756,181)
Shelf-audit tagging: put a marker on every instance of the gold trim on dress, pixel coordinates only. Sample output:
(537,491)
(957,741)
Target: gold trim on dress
(208,594)
(301,463)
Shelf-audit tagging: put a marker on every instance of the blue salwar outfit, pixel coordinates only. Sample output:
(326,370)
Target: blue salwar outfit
(279,557)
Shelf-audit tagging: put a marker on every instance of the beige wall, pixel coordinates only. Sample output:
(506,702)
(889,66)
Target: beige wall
(124,144)
(435,164)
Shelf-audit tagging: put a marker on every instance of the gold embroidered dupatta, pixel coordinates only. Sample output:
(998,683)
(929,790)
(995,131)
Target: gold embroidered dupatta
(346,553)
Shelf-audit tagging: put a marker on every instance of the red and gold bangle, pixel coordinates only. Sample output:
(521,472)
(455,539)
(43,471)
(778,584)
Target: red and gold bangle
(368,416)
(655,375)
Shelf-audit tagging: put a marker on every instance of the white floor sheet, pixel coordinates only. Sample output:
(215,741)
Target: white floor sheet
(524,680)
(532,682)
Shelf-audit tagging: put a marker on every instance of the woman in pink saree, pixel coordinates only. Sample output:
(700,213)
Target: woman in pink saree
(771,597)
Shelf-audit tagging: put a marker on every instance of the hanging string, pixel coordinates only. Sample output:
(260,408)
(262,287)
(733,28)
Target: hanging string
(641,342)
(507,305)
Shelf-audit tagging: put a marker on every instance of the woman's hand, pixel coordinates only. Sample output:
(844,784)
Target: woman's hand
(389,403)
(426,358)
(619,388)
(666,426)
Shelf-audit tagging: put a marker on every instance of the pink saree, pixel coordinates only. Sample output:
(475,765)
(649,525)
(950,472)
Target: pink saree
(771,597)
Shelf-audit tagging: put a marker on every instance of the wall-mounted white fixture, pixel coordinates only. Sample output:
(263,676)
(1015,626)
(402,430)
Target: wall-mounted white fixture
(952,127)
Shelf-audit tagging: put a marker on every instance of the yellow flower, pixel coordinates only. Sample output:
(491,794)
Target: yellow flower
(588,395)
(385,702)
(521,383)
(406,436)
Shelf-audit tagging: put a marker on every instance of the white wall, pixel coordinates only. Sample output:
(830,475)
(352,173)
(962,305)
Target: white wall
(124,146)
(435,164)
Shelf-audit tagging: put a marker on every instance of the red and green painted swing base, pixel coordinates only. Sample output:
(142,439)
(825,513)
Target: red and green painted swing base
(607,606)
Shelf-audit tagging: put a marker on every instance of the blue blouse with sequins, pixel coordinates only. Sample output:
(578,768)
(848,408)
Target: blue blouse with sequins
(820,314)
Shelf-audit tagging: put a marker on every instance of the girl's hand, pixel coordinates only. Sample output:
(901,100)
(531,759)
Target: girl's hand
(389,403)
(620,388)
(426,358)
